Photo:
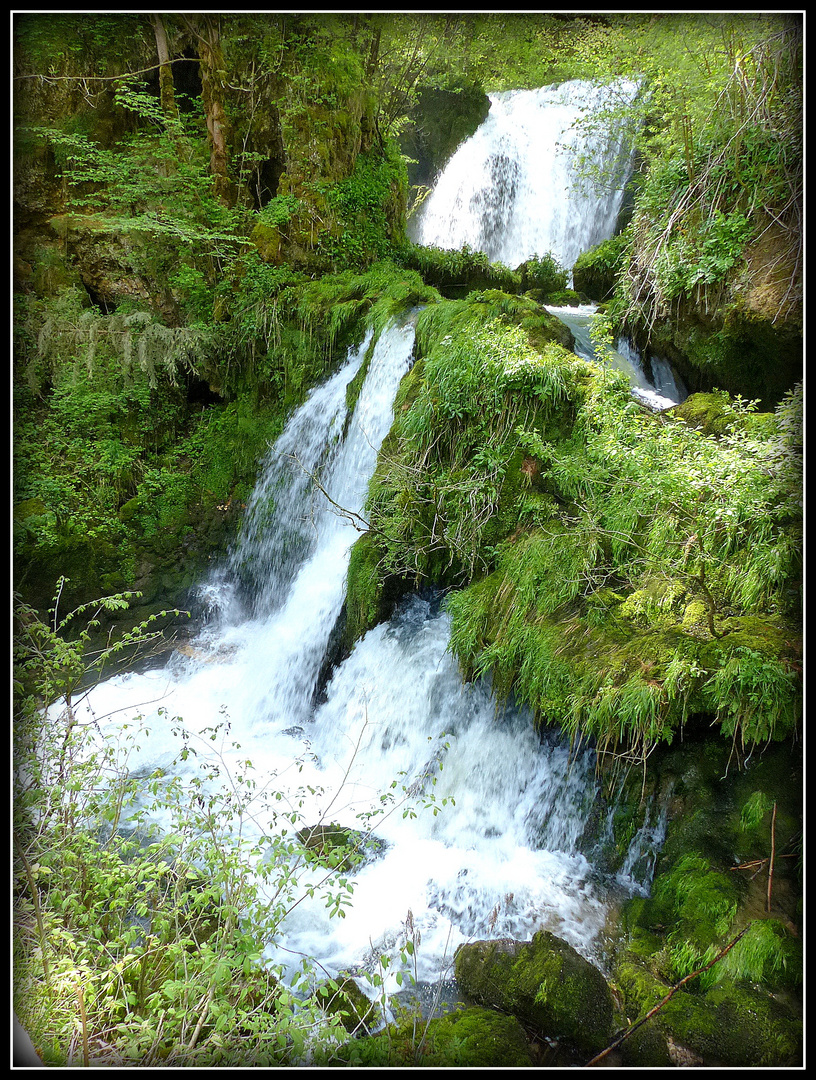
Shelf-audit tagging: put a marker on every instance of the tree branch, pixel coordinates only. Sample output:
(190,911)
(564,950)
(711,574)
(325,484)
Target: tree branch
(633,1028)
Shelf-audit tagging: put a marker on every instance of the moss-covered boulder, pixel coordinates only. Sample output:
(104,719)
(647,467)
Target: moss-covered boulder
(733,347)
(545,983)
(338,848)
(342,997)
(714,414)
(717,916)
(595,272)
(472,1037)
(730,1025)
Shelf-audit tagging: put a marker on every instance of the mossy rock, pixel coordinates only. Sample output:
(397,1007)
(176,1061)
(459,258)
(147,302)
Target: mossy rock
(595,272)
(697,900)
(364,591)
(339,848)
(268,241)
(734,348)
(52,275)
(357,1014)
(712,873)
(730,1025)
(708,412)
(441,120)
(471,1037)
(562,298)
(545,983)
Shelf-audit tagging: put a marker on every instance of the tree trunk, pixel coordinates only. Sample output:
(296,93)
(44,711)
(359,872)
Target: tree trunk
(212,94)
(166,87)
(373,53)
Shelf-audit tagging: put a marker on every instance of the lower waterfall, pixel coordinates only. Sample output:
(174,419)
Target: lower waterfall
(476,821)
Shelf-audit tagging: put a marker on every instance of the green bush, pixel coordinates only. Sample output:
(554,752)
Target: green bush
(543,272)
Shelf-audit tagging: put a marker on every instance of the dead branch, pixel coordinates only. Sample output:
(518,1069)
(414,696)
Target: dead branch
(633,1027)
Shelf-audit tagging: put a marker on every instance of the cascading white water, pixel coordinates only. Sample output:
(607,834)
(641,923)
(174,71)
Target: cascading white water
(658,395)
(498,853)
(515,188)
(500,856)
(666,380)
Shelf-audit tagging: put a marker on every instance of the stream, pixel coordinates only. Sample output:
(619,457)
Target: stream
(483,837)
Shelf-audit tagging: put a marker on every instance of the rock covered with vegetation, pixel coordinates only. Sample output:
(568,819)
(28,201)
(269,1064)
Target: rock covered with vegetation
(471,1037)
(545,983)
(717,943)
(614,568)
(708,270)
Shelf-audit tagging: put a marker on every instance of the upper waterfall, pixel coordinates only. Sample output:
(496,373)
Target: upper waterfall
(518,186)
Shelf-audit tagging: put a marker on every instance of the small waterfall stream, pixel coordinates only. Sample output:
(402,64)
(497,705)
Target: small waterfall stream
(502,856)
(662,391)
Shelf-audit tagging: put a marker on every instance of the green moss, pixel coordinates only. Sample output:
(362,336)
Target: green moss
(708,412)
(729,1025)
(545,983)
(346,1000)
(595,272)
(768,956)
(700,904)
(364,589)
(470,1037)
(478,1038)
(269,242)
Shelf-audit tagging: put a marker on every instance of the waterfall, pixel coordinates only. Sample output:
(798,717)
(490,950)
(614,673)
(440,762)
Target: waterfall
(516,188)
(521,186)
(484,839)
(662,391)
(502,856)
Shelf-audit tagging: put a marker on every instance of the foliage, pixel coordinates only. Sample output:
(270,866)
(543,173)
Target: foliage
(279,210)
(623,572)
(720,143)
(544,272)
(370,207)
(157,933)
(454,272)
(595,271)
(152,184)
(65,43)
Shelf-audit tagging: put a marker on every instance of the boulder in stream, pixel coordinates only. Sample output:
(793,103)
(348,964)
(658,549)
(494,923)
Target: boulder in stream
(545,983)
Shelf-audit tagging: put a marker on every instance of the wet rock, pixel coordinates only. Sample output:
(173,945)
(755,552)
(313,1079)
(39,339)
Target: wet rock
(730,1025)
(545,983)
(357,1014)
(472,1037)
(339,848)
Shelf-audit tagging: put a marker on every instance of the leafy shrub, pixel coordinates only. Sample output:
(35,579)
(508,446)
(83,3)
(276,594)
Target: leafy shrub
(543,272)
(141,944)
